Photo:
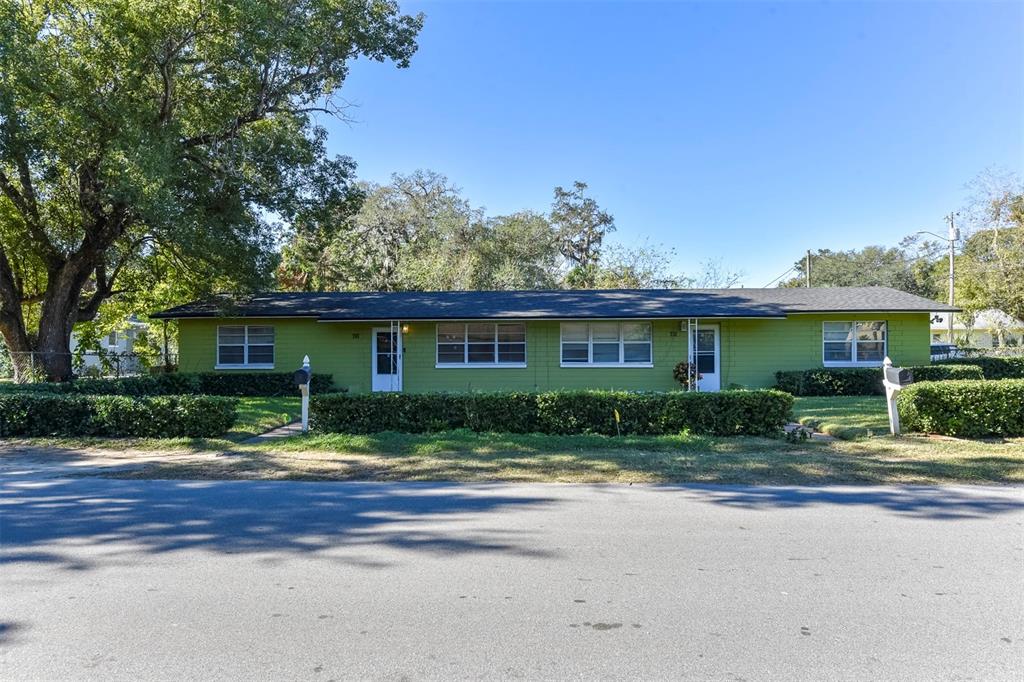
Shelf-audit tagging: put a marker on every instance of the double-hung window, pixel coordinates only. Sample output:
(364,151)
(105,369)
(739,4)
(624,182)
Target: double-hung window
(245,346)
(853,343)
(481,344)
(606,343)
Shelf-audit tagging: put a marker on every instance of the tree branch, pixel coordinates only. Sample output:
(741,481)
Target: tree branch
(102,292)
(12,323)
(49,254)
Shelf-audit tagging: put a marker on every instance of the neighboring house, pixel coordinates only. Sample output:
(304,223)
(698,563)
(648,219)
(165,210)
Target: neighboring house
(118,344)
(986,329)
(541,340)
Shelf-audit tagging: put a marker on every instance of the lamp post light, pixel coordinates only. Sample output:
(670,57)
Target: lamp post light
(952,235)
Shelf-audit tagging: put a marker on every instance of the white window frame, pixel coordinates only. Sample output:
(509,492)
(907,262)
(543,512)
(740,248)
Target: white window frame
(245,364)
(590,344)
(853,362)
(497,364)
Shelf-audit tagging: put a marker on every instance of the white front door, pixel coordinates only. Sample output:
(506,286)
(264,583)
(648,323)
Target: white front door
(387,359)
(708,358)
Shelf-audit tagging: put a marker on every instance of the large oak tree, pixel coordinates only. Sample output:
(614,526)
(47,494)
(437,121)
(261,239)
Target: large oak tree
(184,129)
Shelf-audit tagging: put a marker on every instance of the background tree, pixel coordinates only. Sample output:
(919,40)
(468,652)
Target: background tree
(306,263)
(989,262)
(419,233)
(581,227)
(134,127)
(870,266)
(990,269)
(715,275)
(522,252)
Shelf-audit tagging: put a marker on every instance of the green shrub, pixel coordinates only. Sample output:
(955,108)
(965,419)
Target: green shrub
(559,412)
(831,381)
(154,384)
(47,414)
(173,383)
(510,412)
(992,367)
(258,383)
(423,412)
(39,414)
(968,409)
(35,387)
(836,381)
(947,373)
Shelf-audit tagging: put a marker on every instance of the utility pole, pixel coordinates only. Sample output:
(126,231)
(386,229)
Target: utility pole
(807,268)
(953,235)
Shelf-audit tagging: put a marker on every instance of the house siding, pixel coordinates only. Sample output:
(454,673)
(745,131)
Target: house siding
(751,352)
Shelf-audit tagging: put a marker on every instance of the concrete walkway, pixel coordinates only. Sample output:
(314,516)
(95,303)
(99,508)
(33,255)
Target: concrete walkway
(292,429)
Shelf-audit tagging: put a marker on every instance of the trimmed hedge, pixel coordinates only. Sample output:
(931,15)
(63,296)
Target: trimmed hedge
(173,383)
(762,412)
(833,381)
(258,383)
(947,373)
(968,409)
(41,414)
(992,367)
(155,384)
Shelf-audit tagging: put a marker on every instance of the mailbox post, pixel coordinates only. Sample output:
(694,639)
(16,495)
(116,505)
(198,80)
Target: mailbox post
(894,379)
(301,377)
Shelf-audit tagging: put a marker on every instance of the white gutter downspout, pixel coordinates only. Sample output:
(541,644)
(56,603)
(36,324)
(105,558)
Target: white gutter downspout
(691,353)
(395,328)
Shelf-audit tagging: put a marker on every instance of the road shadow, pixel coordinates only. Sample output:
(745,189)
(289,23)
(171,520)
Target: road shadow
(348,522)
(925,502)
(9,632)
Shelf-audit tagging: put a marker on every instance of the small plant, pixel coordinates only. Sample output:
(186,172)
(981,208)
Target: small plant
(686,374)
(799,434)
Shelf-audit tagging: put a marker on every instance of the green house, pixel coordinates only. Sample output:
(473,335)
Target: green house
(545,340)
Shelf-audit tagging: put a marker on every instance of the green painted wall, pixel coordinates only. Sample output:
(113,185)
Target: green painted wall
(751,352)
(339,349)
(542,369)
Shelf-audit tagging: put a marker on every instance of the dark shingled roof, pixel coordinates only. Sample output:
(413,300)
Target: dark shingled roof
(558,304)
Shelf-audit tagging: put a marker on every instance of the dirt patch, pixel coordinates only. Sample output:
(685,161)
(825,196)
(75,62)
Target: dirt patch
(59,462)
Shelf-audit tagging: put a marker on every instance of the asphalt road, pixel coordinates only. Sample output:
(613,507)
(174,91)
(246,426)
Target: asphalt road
(140,580)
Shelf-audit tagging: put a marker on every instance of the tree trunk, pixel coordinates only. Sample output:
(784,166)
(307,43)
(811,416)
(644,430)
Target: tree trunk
(19,348)
(49,354)
(59,314)
(12,322)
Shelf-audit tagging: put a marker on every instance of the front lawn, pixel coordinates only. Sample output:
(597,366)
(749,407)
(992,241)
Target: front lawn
(257,415)
(846,417)
(468,456)
(472,457)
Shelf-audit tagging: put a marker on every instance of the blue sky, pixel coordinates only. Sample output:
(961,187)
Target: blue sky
(741,132)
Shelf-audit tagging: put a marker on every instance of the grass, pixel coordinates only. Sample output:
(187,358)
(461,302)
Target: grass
(257,415)
(845,417)
(467,456)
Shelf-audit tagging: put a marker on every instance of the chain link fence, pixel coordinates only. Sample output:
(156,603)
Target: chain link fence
(27,367)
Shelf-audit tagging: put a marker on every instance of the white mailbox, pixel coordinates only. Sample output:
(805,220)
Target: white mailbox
(302,377)
(894,379)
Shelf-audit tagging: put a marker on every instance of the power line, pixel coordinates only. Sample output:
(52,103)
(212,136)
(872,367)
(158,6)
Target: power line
(779,276)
